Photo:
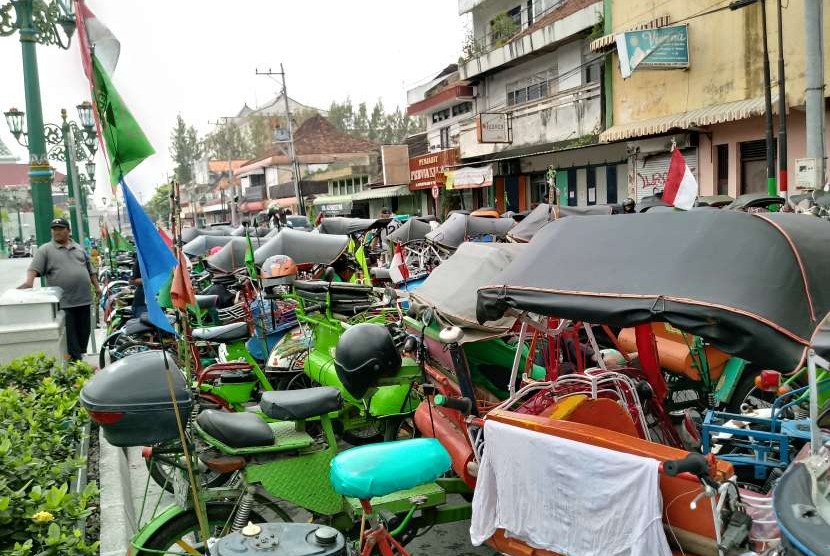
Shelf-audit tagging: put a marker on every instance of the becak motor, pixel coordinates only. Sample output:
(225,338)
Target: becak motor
(364,353)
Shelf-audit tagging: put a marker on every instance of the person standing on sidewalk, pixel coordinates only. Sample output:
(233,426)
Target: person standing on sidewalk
(65,264)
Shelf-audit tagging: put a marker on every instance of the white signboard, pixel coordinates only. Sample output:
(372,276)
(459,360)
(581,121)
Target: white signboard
(806,173)
(494,128)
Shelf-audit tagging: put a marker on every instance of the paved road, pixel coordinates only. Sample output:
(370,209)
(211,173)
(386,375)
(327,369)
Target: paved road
(12,272)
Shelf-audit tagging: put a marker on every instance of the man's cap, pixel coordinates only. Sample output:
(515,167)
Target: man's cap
(59,223)
(385,210)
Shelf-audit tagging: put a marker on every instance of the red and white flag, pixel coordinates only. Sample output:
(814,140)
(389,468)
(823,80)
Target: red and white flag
(681,185)
(96,39)
(398,271)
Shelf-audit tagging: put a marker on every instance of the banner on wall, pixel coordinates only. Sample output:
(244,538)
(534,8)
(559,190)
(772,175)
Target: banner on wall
(660,48)
(470,178)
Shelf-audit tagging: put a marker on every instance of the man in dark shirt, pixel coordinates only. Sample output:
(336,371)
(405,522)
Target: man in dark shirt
(66,265)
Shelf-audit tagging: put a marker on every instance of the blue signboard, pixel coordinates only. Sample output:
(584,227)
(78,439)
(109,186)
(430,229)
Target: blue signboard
(660,48)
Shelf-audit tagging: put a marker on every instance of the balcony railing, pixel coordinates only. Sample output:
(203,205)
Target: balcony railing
(503,29)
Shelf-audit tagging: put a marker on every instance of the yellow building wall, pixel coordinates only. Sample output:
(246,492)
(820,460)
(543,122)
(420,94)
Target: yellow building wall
(725,53)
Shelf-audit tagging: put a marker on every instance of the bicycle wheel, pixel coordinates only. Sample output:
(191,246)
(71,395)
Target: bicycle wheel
(181,534)
(162,473)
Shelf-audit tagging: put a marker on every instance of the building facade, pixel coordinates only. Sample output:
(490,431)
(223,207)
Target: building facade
(536,95)
(713,106)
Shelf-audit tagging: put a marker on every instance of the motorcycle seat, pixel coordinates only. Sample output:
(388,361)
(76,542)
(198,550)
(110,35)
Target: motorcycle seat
(380,469)
(296,405)
(134,326)
(207,301)
(224,333)
(237,430)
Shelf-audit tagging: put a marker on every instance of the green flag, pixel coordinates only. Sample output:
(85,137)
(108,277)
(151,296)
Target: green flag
(249,257)
(119,242)
(125,142)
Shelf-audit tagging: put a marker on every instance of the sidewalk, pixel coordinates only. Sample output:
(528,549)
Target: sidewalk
(123,476)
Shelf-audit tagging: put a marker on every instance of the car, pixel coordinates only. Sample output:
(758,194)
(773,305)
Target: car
(299,222)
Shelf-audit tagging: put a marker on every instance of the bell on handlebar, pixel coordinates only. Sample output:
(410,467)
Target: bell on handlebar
(451,335)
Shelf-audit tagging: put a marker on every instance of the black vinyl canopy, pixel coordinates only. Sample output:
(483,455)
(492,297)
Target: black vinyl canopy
(412,229)
(459,226)
(338,225)
(303,247)
(202,244)
(750,200)
(252,231)
(544,213)
(231,257)
(190,233)
(754,285)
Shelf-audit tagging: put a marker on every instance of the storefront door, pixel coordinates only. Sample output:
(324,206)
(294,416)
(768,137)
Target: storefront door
(511,189)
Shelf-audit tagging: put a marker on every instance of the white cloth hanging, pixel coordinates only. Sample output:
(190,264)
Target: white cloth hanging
(569,497)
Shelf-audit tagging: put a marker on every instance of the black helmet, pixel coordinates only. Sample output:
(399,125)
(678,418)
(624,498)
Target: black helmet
(363,354)
(628,202)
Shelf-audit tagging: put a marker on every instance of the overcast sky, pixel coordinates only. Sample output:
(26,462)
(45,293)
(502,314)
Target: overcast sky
(198,58)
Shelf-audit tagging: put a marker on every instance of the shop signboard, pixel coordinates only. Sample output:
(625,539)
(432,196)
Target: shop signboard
(494,127)
(660,48)
(424,169)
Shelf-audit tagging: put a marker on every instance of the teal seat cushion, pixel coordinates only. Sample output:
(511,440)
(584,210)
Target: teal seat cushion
(380,469)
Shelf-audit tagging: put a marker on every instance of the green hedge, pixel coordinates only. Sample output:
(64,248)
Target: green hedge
(41,424)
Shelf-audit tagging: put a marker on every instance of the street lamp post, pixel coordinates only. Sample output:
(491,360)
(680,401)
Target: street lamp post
(772,188)
(45,22)
(68,141)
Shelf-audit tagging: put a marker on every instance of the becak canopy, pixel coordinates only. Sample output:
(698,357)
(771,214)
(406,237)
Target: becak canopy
(544,213)
(459,227)
(303,247)
(754,285)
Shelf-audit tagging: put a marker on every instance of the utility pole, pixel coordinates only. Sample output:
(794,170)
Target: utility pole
(75,182)
(814,93)
(770,139)
(783,180)
(234,193)
(295,167)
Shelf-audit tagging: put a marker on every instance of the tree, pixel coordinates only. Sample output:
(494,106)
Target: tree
(381,127)
(341,115)
(376,121)
(185,149)
(158,207)
(361,120)
(228,141)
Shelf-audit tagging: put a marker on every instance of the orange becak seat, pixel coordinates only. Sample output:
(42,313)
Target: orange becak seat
(600,412)
(692,530)
(674,352)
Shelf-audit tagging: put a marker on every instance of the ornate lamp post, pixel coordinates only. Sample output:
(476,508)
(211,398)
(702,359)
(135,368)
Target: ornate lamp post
(46,22)
(70,143)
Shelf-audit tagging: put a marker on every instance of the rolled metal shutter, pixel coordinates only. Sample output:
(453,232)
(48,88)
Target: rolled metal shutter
(652,171)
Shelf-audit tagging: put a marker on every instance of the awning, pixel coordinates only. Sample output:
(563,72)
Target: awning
(702,117)
(213,208)
(605,42)
(332,199)
(284,202)
(382,192)
(252,206)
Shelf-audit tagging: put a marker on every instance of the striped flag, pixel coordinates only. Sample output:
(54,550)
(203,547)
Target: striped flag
(124,142)
(681,185)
